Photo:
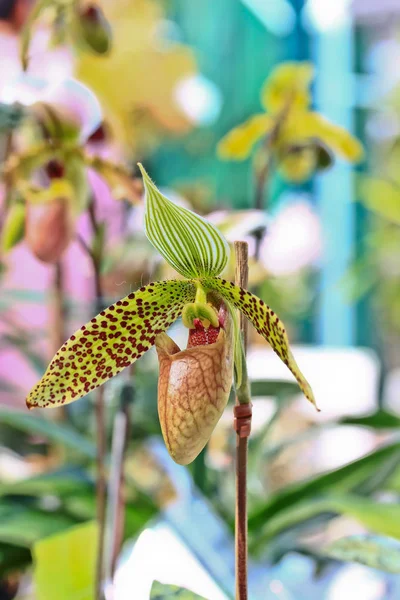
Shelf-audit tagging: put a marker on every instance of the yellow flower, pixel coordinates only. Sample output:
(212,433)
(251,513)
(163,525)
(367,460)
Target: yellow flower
(294,134)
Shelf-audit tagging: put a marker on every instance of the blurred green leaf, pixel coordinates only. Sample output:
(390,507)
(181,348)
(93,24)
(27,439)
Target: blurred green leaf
(161,591)
(53,432)
(382,197)
(56,483)
(360,277)
(23,526)
(373,551)
(381,419)
(347,478)
(11,116)
(383,518)
(26,34)
(12,558)
(275,388)
(65,564)
(139,510)
(13,229)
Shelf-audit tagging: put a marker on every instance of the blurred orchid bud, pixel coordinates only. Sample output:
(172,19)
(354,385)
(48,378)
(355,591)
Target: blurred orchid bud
(95,29)
(194,386)
(49,229)
(14,226)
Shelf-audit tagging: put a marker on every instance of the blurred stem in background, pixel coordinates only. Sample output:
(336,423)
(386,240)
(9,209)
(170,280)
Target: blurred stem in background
(95,253)
(264,172)
(57,327)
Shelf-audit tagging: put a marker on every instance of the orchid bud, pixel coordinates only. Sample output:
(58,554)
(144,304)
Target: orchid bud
(95,29)
(49,229)
(194,386)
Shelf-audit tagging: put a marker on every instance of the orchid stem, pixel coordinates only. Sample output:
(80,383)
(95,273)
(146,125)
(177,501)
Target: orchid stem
(101,441)
(242,425)
(58,317)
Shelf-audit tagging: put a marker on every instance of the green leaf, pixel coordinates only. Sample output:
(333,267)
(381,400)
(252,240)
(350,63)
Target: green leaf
(382,197)
(113,340)
(360,277)
(376,516)
(272,387)
(26,34)
(13,227)
(161,591)
(382,518)
(56,483)
(58,434)
(65,564)
(189,243)
(23,526)
(76,175)
(381,419)
(348,478)
(376,552)
(13,558)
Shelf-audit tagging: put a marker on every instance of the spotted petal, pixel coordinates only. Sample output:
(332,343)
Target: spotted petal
(190,244)
(267,324)
(113,340)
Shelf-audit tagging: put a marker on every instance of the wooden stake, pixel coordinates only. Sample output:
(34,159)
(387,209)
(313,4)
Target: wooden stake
(242,426)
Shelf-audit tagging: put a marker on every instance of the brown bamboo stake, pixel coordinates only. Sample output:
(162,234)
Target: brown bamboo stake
(242,426)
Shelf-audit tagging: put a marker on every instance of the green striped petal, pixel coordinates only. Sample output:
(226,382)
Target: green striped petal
(189,243)
(266,322)
(113,340)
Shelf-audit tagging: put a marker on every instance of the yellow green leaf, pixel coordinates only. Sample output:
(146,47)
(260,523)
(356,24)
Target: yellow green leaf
(288,83)
(239,142)
(374,551)
(379,517)
(190,244)
(75,173)
(111,341)
(65,564)
(265,321)
(381,197)
(13,227)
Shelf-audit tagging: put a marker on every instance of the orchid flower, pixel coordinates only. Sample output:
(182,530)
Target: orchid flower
(299,140)
(194,384)
(68,116)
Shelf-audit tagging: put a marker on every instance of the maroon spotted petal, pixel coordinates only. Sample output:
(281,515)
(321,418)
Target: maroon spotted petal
(113,340)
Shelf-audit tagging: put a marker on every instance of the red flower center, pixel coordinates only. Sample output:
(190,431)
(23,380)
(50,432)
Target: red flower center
(200,336)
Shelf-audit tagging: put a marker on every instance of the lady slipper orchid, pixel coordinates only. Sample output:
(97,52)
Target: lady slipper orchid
(194,383)
(299,140)
(194,386)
